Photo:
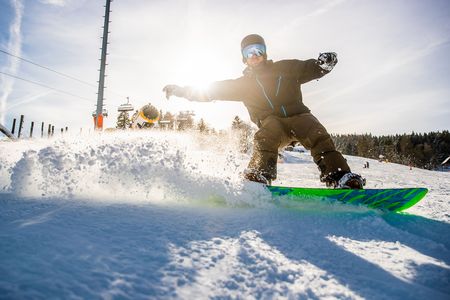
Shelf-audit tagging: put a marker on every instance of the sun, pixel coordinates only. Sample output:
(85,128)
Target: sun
(202,66)
(198,66)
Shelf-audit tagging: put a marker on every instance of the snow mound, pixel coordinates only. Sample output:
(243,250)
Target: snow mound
(149,166)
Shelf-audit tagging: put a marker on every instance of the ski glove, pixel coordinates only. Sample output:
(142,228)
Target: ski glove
(327,60)
(173,90)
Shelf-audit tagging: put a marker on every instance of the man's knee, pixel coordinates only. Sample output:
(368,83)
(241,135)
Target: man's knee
(308,130)
(321,143)
(270,136)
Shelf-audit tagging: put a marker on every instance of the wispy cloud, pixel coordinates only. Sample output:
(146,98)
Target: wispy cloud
(55,2)
(12,65)
(322,9)
(29,99)
(382,70)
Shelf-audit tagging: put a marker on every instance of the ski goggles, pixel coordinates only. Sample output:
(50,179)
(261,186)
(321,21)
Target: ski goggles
(254,50)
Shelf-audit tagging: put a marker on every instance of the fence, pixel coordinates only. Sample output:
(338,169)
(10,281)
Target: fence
(20,129)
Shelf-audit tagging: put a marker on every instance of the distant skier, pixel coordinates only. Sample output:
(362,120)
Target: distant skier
(271,92)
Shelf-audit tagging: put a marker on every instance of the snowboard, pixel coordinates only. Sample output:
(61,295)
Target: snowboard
(394,200)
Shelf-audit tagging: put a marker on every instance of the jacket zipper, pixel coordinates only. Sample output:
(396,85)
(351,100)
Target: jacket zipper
(264,92)
(278,87)
(276,94)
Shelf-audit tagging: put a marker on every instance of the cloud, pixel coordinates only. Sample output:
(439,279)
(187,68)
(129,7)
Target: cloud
(12,65)
(323,9)
(319,10)
(55,2)
(29,99)
(409,56)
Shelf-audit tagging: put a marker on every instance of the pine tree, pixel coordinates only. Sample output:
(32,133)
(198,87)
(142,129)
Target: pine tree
(185,121)
(189,122)
(421,150)
(245,134)
(202,127)
(237,123)
(169,119)
(363,145)
(123,120)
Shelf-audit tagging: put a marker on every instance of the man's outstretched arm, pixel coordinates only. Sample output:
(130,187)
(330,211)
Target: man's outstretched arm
(230,90)
(311,69)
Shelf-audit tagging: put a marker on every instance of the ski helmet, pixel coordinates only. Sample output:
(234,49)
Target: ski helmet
(250,40)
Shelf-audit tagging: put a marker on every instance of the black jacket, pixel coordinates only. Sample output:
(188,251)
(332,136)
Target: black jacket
(271,89)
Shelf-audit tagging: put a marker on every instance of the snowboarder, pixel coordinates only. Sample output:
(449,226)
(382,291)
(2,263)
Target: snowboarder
(271,93)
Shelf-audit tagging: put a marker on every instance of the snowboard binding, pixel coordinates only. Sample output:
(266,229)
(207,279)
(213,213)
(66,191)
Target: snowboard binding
(256,176)
(344,180)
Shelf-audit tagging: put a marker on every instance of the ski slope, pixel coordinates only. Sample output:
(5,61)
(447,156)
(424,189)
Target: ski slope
(160,215)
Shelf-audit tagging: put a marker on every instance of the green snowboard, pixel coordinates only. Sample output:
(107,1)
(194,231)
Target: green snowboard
(385,199)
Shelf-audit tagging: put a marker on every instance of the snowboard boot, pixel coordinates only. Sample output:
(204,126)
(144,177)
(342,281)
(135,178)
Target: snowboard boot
(256,176)
(344,180)
(351,181)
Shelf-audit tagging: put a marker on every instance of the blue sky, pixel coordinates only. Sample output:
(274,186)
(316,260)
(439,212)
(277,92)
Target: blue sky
(392,77)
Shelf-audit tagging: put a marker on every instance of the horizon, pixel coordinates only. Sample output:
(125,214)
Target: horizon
(391,55)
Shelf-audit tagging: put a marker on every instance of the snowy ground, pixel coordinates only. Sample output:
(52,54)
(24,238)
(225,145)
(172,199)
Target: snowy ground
(166,215)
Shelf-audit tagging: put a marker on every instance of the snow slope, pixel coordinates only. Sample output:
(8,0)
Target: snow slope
(166,215)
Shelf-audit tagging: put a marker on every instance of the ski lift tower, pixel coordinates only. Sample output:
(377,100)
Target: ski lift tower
(100,111)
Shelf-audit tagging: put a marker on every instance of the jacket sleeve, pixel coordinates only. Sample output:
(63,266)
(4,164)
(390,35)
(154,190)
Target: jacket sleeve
(230,90)
(307,70)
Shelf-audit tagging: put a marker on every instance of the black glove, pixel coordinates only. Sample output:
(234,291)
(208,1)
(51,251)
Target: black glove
(172,90)
(327,60)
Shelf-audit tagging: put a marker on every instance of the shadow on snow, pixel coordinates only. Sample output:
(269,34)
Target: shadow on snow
(67,248)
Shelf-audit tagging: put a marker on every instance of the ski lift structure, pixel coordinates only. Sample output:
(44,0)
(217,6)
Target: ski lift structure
(100,110)
(99,123)
(126,106)
(124,110)
(184,115)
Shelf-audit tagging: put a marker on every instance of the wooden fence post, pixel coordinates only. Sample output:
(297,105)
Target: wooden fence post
(31,129)
(20,126)
(13,126)
(42,130)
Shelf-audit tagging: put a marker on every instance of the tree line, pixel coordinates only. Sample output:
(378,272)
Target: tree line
(422,150)
(181,121)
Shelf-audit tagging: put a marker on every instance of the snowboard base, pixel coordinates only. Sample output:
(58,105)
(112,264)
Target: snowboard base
(394,200)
